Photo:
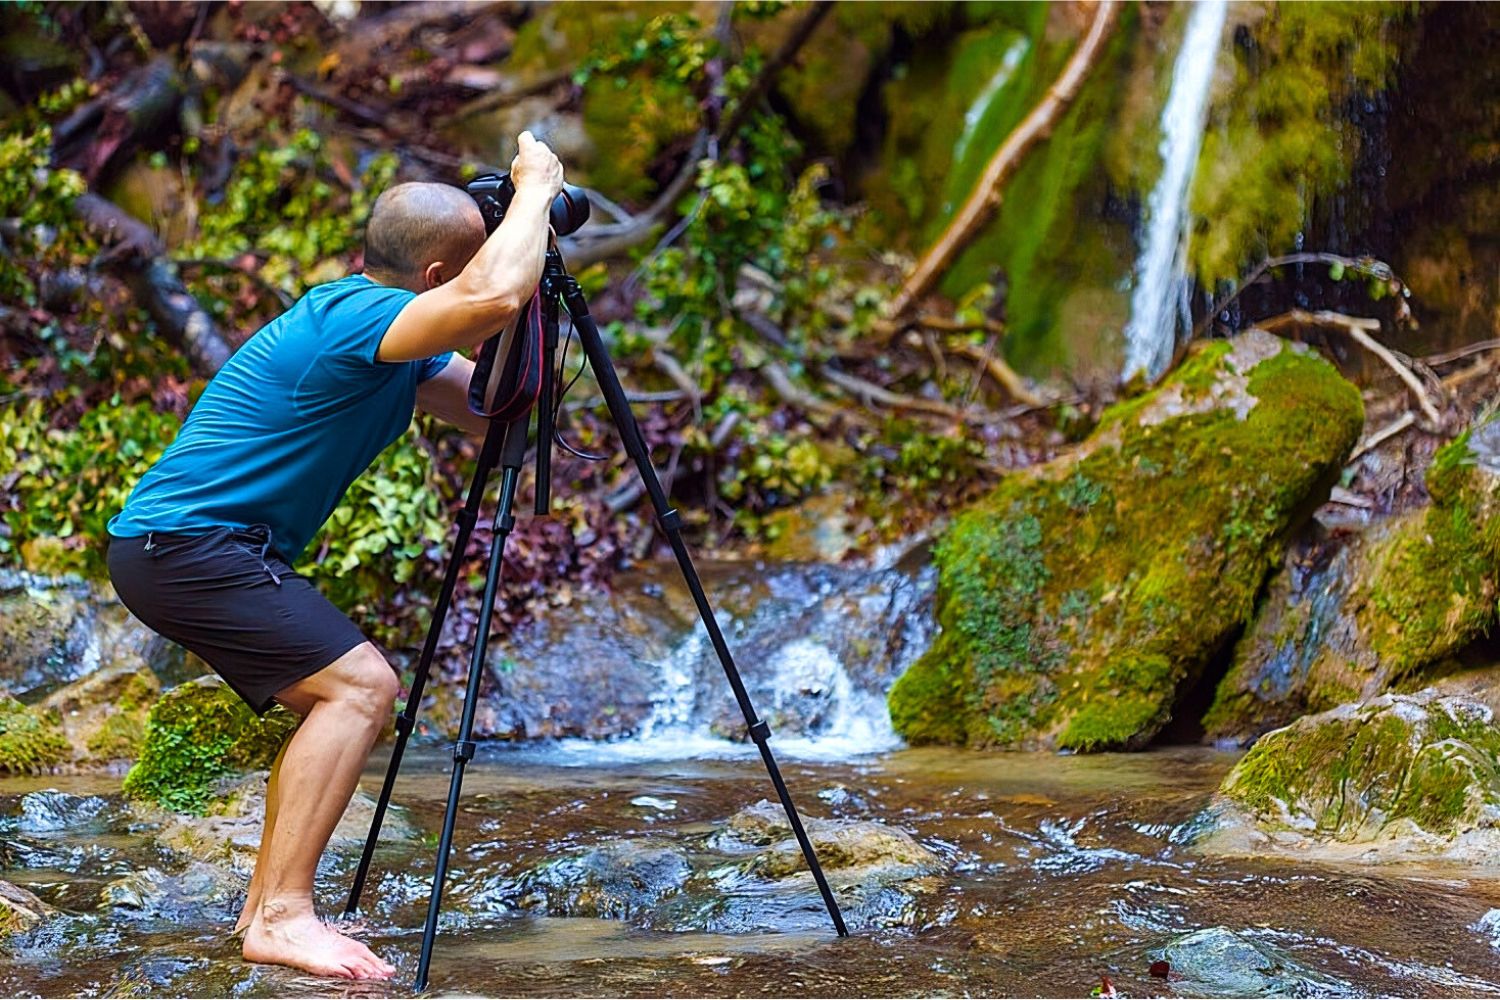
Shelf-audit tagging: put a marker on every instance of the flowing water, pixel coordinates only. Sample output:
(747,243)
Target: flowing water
(1056,871)
(1158,303)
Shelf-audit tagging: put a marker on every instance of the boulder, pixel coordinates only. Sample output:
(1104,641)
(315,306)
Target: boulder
(103,715)
(1218,962)
(1080,598)
(1385,609)
(197,735)
(1397,776)
(20,910)
(56,630)
(841,844)
(30,740)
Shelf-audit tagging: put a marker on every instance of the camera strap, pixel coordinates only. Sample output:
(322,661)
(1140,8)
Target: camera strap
(508,371)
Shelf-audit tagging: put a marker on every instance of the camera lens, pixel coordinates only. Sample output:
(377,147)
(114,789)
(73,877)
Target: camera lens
(570,209)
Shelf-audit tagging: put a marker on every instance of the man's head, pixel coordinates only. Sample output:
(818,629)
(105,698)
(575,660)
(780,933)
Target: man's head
(421,235)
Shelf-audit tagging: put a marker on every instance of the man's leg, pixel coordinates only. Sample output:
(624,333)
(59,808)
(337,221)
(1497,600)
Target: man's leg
(252,895)
(343,706)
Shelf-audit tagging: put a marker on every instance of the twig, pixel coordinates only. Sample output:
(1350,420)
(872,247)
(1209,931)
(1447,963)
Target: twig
(1358,328)
(1448,357)
(783,57)
(1361,265)
(871,393)
(781,383)
(1001,372)
(1387,432)
(985,197)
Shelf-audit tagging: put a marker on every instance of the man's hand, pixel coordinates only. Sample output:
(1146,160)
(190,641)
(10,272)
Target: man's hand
(494,286)
(536,166)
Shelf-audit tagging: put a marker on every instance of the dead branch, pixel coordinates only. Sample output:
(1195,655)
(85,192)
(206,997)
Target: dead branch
(89,139)
(997,369)
(781,383)
(140,259)
(1387,432)
(1358,328)
(1359,265)
(870,394)
(1469,350)
(773,67)
(985,198)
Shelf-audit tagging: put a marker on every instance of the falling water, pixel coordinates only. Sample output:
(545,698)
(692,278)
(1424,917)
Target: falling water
(1161,283)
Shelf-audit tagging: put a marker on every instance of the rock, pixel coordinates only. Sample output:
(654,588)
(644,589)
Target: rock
(20,910)
(104,715)
(1217,962)
(30,740)
(56,630)
(182,897)
(231,832)
(1081,598)
(840,844)
(198,734)
(51,811)
(1399,599)
(1400,775)
(623,880)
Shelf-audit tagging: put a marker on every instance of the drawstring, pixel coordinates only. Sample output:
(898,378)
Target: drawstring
(150,543)
(264,531)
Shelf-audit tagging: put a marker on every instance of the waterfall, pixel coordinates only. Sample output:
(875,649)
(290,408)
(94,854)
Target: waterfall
(1160,298)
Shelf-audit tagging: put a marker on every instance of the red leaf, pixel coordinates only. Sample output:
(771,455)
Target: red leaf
(1161,969)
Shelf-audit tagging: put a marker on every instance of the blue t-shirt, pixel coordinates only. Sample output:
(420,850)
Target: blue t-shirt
(287,424)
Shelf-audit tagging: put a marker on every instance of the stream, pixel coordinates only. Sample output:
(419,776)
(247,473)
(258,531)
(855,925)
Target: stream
(1059,870)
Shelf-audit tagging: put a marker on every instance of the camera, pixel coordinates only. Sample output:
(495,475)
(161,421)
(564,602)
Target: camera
(493,193)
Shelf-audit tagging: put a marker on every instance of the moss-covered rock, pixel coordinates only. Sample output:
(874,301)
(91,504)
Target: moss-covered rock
(1384,611)
(30,739)
(1423,767)
(104,715)
(1079,598)
(20,909)
(197,734)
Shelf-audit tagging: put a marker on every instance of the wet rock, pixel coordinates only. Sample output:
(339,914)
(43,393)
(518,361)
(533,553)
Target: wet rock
(30,740)
(624,880)
(198,734)
(52,811)
(200,893)
(1386,608)
(104,715)
(1400,775)
(231,833)
(840,844)
(56,630)
(1217,962)
(20,910)
(1081,597)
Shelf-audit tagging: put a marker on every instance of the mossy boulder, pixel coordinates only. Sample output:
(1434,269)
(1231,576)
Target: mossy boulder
(1081,597)
(20,909)
(198,734)
(104,715)
(1422,770)
(1385,611)
(30,739)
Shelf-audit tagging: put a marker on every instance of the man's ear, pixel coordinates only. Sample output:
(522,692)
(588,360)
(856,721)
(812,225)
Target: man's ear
(434,276)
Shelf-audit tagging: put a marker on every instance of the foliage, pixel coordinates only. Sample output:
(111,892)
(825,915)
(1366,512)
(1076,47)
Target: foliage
(38,201)
(280,203)
(67,483)
(196,734)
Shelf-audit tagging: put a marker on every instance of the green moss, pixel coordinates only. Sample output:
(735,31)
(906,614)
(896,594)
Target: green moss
(30,741)
(123,733)
(196,734)
(1076,599)
(1350,773)
(1277,139)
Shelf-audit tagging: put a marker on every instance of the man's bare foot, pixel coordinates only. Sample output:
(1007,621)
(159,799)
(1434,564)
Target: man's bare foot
(282,935)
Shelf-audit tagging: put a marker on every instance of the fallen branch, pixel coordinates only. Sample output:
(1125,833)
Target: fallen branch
(1383,435)
(153,279)
(998,370)
(1358,328)
(1368,266)
(870,393)
(748,101)
(1448,357)
(985,198)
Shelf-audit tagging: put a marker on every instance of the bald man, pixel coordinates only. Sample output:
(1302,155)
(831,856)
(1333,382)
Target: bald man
(203,551)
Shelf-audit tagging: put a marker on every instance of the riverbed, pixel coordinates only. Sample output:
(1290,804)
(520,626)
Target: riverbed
(1060,871)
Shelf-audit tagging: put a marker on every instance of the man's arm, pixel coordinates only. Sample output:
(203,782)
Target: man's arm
(494,286)
(446,396)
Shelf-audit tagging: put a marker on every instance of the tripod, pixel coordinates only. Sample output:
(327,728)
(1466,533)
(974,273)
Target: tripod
(505,444)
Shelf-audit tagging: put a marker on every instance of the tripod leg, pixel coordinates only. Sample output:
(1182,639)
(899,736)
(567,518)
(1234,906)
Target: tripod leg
(671,524)
(406,721)
(463,750)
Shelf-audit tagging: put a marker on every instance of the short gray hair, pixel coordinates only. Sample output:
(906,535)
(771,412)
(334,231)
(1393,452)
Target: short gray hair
(416,223)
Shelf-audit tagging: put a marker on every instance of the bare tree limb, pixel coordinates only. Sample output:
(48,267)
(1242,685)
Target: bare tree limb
(998,370)
(768,73)
(985,198)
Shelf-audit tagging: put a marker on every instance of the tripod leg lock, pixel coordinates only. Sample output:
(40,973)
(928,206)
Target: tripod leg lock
(671,521)
(404,725)
(463,751)
(760,732)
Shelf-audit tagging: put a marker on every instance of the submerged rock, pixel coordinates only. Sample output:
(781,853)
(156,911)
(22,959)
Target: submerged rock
(1398,775)
(1389,605)
(20,910)
(747,875)
(152,893)
(104,715)
(1217,962)
(30,740)
(198,734)
(1080,598)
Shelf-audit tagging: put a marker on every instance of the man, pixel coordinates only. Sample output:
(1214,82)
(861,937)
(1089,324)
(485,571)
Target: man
(202,551)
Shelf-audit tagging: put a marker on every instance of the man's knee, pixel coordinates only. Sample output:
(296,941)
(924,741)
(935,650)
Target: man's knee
(370,684)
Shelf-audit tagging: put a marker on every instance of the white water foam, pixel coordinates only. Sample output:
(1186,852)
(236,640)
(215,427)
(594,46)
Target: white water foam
(1160,297)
